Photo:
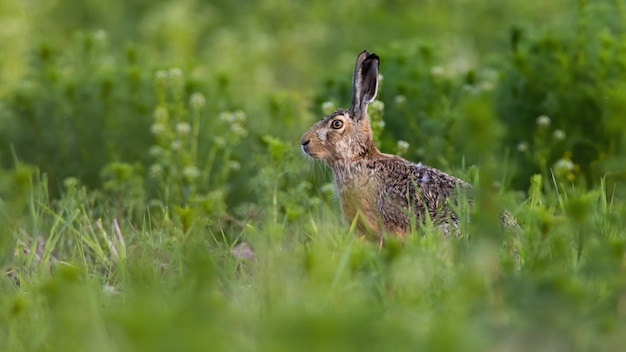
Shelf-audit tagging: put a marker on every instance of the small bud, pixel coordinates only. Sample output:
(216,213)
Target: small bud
(70,182)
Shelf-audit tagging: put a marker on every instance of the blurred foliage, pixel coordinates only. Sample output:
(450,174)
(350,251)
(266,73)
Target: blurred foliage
(142,143)
(76,111)
(561,95)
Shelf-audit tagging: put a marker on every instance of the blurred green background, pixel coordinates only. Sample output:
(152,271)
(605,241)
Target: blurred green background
(78,77)
(141,140)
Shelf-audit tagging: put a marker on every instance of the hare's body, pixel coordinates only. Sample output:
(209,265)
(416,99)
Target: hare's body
(391,194)
(383,192)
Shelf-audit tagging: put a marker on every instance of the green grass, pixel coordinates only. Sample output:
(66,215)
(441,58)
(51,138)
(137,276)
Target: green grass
(141,144)
(104,283)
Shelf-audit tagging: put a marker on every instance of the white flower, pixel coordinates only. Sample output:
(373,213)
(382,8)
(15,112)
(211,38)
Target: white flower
(239,116)
(380,124)
(543,121)
(226,116)
(156,151)
(470,89)
(437,71)
(328,188)
(160,76)
(380,77)
(558,135)
(156,170)
(378,105)
(100,35)
(563,165)
(197,101)
(234,165)
(157,128)
(175,73)
(399,100)
(522,147)
(176,145)
(176,81)
(220,142)
(239,130)
(183,128)
(191,172)
(403,146)
(328,107)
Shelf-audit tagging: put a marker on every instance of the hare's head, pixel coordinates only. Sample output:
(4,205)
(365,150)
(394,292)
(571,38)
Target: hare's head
(346,134)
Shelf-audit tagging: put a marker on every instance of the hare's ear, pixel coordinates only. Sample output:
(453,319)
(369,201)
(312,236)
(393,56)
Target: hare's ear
(364,82)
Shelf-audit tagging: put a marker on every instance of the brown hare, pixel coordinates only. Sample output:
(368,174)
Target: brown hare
(384,193)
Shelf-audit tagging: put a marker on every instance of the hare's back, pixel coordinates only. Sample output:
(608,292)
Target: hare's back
(404,178)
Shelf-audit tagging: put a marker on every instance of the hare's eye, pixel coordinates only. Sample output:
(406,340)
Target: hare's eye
(337,124)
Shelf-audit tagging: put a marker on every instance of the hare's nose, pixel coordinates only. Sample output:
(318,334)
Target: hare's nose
(303,146)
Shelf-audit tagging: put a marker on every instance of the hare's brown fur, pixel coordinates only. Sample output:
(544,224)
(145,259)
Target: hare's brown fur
(384,192)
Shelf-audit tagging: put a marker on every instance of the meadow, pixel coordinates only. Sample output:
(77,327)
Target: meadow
(143,143)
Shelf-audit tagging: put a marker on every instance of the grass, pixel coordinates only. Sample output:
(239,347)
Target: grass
(142,145)
(80,282)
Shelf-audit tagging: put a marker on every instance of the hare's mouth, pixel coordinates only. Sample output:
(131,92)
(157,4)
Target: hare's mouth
(307,150)
(312,150)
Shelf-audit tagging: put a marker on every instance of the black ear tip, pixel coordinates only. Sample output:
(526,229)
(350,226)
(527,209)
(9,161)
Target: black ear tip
(371,59)
(372,56)
(368,55)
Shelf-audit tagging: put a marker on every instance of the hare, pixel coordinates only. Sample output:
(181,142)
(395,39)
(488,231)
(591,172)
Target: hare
(384,193)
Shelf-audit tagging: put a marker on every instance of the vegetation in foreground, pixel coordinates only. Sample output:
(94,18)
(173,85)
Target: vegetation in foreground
(131,174)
